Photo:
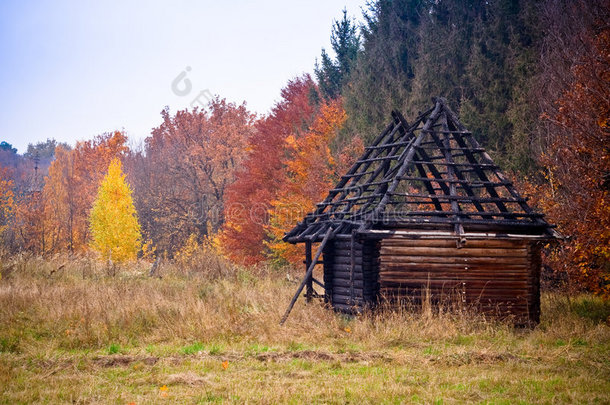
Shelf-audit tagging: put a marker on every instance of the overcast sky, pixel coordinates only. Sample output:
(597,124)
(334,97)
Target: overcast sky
(70,70)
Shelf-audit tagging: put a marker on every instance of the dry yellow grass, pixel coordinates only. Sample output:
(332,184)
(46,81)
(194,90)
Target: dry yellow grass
(208,332)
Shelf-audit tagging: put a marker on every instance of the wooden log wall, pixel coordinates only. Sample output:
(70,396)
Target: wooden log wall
(351,292)
(498,276)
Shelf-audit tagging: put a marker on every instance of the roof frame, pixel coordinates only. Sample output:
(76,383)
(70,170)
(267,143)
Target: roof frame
(432,171)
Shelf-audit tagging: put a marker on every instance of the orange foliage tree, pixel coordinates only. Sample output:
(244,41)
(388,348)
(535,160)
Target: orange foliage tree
(310,173)
(576,195)
(70,189)
(248,200)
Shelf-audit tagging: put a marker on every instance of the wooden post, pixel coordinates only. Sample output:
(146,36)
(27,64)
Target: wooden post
(309,289)
(352,267)
(309,274)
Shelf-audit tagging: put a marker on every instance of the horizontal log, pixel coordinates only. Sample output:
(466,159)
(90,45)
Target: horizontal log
(366,250)
(348,309)
(412,275)
(493,303)
(438,294)
(360,278)
(339,267)
(346,260)
(418,289)
(358,256)
(347,291)
(339,282)
(347,247)
(453,252)
(451,243)
(504,305)
(346,254)
(452,275)
(449,259)
(445,296)
(471,268)
(386,281)
(345,299)
(407,276)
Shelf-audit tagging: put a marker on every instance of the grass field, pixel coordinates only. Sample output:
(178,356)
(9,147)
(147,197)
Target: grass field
(72,333)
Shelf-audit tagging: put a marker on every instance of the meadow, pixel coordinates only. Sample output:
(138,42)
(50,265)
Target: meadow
(73,330)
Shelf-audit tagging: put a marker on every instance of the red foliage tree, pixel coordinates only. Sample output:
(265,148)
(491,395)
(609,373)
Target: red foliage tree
(310,172)
(258,182)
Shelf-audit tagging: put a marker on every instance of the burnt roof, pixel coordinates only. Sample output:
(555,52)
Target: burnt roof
(428,174)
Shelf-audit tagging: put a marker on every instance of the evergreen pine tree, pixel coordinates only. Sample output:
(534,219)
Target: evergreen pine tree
(332,74)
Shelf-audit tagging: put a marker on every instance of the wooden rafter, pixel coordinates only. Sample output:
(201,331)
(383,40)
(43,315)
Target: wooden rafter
(433,162)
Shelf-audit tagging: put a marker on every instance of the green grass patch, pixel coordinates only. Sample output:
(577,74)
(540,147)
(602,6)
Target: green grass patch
(115,348)
(193,348)
(593,308)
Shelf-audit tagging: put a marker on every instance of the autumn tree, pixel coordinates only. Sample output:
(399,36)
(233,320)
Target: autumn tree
(184,170)
(114,224)
(310,173)
(30,224)
(7,201)
(575,126)
(70,189)
(261,175)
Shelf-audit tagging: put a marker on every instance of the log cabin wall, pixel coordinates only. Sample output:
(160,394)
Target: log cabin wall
(499,276)
(349,291)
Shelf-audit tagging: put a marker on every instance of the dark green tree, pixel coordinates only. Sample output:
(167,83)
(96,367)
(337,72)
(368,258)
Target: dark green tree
(382,76)
(5,146)
(333,73)
(481,55)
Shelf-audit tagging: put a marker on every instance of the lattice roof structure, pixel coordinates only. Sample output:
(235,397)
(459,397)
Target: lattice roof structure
(428,174)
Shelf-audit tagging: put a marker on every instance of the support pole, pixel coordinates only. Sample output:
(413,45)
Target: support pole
(308,274)
(309,289)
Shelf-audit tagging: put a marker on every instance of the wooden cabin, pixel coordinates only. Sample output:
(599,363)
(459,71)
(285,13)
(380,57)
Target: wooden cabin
(425,212)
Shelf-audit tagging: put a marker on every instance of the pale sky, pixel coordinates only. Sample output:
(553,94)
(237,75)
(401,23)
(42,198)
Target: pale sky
(71,69)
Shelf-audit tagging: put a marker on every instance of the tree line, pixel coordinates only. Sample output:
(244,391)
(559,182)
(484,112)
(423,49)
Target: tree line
(529,78)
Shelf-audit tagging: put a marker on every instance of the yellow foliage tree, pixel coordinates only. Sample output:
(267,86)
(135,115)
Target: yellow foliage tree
(7,200)
(113,221)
